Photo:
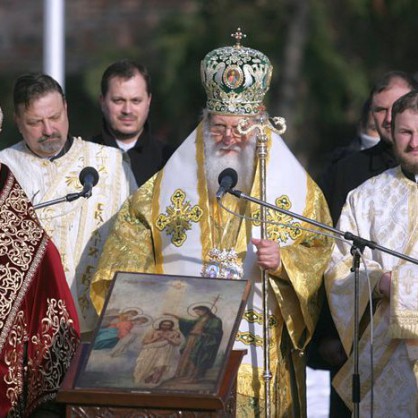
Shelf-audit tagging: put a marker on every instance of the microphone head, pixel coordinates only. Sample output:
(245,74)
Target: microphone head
(89,173)
(230,175)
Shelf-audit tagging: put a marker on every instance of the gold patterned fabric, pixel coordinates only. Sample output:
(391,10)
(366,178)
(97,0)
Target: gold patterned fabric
(384,209)
(170,225)
(39,330)
(78,228)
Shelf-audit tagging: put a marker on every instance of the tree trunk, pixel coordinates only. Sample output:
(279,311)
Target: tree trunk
(289,91)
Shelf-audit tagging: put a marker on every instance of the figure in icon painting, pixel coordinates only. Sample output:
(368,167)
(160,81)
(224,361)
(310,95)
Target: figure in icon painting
(203,336)
(117,333)
(138,346)
(159,354)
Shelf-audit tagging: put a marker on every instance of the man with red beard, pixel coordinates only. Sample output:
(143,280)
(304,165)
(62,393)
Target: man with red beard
(383,209)
(326,351)
(174,225)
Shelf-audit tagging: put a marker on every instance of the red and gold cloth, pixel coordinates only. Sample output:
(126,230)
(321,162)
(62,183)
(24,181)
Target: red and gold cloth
(39,329)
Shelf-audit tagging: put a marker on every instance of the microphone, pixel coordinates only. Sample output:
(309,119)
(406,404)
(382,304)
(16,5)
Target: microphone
(227,180)
(88,178)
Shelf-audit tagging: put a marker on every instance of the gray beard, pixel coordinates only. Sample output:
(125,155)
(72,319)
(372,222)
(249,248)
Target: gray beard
(242,162)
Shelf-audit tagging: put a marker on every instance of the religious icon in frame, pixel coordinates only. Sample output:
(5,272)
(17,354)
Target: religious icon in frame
(164,334)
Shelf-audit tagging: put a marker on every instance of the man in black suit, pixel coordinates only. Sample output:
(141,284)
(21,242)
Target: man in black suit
(125,103)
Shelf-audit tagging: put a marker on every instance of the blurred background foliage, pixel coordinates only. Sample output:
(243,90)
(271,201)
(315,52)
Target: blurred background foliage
(326,55)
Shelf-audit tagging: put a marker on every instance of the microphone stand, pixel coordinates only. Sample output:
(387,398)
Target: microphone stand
(262,126)
(68,198)
(357,249)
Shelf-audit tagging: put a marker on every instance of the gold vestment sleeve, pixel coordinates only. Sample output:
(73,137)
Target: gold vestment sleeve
(129,245)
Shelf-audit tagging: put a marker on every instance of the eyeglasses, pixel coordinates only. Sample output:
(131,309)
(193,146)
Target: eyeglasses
(221,130)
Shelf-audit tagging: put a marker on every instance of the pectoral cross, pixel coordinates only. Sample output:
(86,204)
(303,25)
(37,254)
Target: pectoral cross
(178,218)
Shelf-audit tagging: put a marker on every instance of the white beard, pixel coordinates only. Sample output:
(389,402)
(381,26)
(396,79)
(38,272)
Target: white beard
(242,161)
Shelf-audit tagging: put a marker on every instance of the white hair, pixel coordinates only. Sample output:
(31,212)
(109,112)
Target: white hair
(242,161)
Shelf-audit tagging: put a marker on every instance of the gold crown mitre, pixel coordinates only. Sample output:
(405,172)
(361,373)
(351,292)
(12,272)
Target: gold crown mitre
(235,78)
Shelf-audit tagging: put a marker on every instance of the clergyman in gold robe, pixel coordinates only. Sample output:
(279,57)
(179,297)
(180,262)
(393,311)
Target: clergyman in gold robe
(174,225)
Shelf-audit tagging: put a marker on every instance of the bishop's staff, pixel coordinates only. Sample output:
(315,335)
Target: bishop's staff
(262,126)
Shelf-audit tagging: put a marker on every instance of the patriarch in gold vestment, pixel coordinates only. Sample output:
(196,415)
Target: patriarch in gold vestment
(174,225)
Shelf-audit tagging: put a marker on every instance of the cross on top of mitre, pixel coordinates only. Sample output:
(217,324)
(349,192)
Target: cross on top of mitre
(238,36)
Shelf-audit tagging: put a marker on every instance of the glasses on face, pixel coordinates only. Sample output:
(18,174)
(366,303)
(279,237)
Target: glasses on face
(221,130)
